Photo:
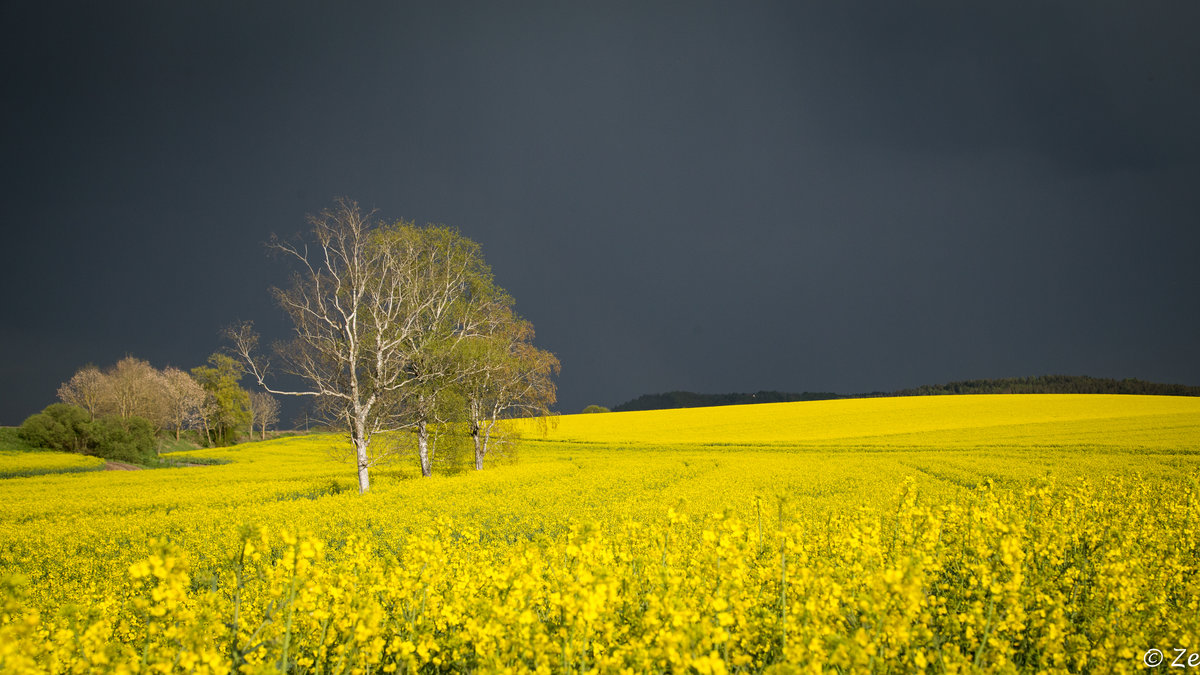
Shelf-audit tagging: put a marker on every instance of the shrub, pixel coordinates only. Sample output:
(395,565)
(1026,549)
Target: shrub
(66,428)
(128,440)
(61,427)
(12,441)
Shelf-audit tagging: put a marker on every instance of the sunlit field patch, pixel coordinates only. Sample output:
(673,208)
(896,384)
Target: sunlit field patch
(14,464)
(936,422)
(947,534)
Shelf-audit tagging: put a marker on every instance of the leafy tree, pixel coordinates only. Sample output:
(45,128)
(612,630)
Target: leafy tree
(125,440)
(67,428)
(61,427)
(376,308)
(463,304)
(504,375)
(228,404)
(595,409)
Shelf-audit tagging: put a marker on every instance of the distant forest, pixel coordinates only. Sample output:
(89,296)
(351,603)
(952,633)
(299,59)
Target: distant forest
(1042,384)
(687,399)
(1053,384)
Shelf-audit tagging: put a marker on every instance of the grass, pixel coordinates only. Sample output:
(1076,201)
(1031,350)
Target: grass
(167,444)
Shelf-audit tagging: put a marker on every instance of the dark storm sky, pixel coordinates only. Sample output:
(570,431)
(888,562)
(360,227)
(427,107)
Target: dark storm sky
(717,197)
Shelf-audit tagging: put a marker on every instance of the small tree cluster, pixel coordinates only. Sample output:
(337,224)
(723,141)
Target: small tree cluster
(400,328)
(209,398)
(131,388)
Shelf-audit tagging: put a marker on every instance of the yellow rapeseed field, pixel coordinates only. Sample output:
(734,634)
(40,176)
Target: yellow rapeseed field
(1110,421)
(14,463)
(939,534)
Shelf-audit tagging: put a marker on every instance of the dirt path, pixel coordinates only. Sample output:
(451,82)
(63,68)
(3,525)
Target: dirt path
(120,466)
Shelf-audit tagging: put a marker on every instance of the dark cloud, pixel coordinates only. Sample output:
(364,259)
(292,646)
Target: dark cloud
(848,196)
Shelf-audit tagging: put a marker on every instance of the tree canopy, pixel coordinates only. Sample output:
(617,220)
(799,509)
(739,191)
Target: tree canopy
(226,411)
(389,319)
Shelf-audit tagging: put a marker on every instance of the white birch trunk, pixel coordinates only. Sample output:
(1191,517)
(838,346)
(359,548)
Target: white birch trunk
(361,457)
(423,449)
(480,449)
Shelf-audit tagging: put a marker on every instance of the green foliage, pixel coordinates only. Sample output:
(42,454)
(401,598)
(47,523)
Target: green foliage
(61,427)
(503,375)
(129,440)
(400,328)
(43,431)
(67,428)
(188,440)
(11,441)
(595,409)
(454,450)
(230,404)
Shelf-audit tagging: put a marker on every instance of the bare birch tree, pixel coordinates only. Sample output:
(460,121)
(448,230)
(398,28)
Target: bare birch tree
(208,414)
(135,390)
(371,306)
(87,389)
(184,399)
(264,411)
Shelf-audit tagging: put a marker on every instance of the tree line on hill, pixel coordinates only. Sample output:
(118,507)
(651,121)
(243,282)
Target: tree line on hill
(1053,384)
(1043,384)
(687,399)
